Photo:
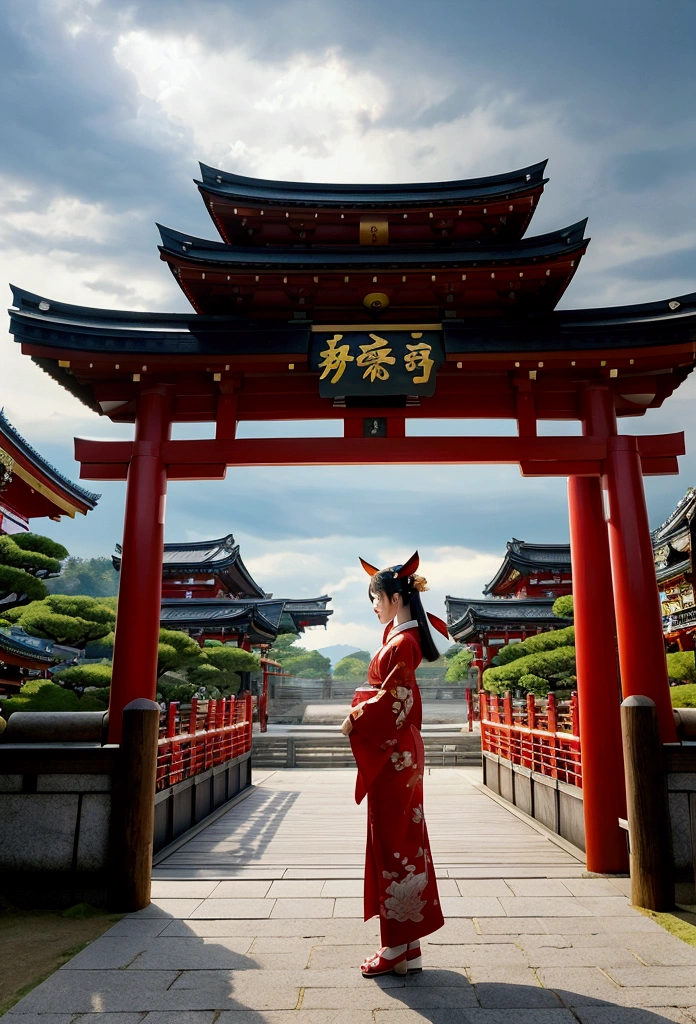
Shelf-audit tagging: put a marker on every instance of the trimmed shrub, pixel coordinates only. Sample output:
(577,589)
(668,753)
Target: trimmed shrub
(458,666)
(43,695)
(557,666)
(536,644)
(84,676)
(681,666)
(683,696)
(563,607)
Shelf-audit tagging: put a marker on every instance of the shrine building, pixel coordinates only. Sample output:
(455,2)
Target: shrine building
(532,570)
(203,569)
(377,305)
(673,546)
(209,593)
(30,488)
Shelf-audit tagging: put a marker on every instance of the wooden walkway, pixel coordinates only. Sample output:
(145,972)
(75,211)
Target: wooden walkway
(305,823)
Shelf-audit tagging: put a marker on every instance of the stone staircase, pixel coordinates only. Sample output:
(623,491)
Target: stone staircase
(315,749)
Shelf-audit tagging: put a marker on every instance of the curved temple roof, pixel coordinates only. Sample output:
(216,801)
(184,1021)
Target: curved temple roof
(260,619)
(37,320)
(236,186)
(187,247)
(220,557)
(465,616)
(62,496)
(22,649)
(527,558)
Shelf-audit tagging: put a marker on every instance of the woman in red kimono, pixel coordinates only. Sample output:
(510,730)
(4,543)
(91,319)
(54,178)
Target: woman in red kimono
(400,884)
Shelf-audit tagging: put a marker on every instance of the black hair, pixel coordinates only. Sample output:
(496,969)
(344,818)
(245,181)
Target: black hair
(387,581)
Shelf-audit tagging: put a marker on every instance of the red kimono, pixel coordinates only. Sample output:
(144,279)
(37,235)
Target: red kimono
(400,884)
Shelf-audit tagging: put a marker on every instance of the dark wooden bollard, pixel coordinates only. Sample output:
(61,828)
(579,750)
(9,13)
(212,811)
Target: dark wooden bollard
(133,809)
(650,837)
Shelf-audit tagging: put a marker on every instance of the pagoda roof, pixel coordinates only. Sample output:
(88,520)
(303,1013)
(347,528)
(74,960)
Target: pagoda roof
(260,620)
(202,251)
(418,281)
(218,557)
(291,193)
(467,616)
(526,559)
(37,488)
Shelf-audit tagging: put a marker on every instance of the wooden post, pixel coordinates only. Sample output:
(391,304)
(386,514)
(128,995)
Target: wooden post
(133,809)
(650,837)
(469,709)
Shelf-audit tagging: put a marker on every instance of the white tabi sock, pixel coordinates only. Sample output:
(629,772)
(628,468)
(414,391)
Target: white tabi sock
(391,952)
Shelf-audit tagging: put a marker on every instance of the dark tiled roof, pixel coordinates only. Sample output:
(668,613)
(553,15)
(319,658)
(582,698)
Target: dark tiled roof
(45,468)
(300,193)
(529,558)
(678,522)
(259,618)
(220,557)
(241,258)
(17,642)
(665,573)
(465,616)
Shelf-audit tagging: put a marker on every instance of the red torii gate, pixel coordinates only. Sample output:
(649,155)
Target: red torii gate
(491,358)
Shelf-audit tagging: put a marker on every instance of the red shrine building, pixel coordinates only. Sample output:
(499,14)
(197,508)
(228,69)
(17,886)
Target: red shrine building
(375,305)
(209,593)
(673,546)
(30,488)
(518,604)
(532,570)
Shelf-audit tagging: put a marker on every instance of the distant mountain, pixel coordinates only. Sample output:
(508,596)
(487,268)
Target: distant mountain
(338,651)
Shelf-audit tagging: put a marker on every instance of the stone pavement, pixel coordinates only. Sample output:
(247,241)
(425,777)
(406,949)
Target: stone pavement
(257,920)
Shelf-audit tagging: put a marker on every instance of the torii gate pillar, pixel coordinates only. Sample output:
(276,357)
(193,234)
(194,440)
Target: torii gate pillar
(638,613)
(140,590)
(599,693)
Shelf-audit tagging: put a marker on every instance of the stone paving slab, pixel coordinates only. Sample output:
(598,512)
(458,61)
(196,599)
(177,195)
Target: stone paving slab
(526,940)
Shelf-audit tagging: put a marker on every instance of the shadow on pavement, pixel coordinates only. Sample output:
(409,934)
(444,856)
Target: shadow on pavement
(153,963)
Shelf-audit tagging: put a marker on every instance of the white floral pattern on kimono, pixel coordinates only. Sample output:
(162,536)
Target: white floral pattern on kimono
(404,902)
(402,759)
(403,704)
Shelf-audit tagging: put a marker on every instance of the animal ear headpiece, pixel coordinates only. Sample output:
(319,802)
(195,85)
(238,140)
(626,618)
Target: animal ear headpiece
(397,571)
(400,579)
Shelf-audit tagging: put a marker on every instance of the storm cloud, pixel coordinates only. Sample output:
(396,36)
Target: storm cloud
(107,106)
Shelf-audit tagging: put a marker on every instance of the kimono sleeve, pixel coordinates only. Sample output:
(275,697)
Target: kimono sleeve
(381,718)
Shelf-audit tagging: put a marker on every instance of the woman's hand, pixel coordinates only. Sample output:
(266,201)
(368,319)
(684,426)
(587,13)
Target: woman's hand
(347,726)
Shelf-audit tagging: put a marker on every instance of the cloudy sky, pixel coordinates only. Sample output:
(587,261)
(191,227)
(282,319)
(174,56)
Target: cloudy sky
(106,106)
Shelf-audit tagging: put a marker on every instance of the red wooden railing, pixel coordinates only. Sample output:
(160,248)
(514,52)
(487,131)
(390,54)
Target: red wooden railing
(543,738)
(213,732)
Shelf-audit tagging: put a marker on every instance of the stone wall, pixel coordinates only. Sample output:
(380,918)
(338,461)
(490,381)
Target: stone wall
(56,810)
(554,804)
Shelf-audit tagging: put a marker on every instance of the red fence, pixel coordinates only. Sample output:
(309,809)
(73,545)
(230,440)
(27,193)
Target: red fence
(213,732)
(543,738)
